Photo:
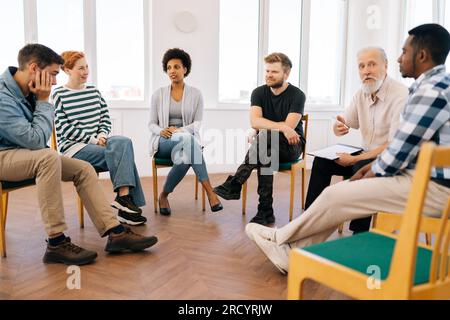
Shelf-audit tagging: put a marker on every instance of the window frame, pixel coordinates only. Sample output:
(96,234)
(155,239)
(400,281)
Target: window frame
(230,106)
(90,46)
(263,44)
(438,16)
(438,13)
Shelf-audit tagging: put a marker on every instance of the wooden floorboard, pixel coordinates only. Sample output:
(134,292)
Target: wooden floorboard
(200,255)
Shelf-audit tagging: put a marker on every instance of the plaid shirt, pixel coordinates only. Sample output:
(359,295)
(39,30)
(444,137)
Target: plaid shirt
(426,117)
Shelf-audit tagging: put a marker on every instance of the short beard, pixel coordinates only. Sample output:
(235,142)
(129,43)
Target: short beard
(413,67)
(372,88)
(277,85)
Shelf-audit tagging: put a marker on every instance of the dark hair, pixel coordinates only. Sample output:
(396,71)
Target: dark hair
(180,54)
(38,53)
(432,37)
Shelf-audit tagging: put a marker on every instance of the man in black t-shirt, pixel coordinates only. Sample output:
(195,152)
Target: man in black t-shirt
(276,112)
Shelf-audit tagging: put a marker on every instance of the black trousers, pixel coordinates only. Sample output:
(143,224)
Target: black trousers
(268,147)
(322,171)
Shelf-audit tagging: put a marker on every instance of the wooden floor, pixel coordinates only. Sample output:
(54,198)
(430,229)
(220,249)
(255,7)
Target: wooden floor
(200,255)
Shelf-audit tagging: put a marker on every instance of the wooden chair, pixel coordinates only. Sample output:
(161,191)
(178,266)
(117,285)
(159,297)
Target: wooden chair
(391,222)
(165,163)
(406,269)
(80,205)
(288,167)
(5,188)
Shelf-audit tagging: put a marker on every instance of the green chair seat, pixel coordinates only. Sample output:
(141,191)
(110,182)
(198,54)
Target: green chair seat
(284,166)
(366,249)
(166,162)
(17,184)
(163,162)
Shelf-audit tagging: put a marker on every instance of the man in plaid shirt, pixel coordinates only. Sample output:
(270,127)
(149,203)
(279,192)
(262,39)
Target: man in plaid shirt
(383,185)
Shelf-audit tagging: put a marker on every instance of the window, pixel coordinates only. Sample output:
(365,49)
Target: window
(60,27)
(120,49)
(447,26)
(447,14)
(418,12)
(11,18)
(325,52)
(285,26)
(60,24)
(238,65)
(428,11)
(114,40)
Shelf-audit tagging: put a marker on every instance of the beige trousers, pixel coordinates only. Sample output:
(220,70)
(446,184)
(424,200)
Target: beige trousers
(347,200)
(49,168)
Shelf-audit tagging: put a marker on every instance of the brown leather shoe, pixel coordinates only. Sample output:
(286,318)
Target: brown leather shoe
(128,240)
(68,253)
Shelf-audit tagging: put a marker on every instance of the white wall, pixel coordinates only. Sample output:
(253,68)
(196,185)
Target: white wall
(373,23)
(203,46)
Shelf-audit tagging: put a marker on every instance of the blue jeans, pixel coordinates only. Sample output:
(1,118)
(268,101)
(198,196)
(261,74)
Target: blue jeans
(117,158)
(185,152)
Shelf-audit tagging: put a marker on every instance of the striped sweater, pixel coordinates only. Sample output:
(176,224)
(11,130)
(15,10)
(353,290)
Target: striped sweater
(81,117)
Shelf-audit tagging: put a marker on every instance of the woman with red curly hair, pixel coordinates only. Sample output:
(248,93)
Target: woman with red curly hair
(83,128)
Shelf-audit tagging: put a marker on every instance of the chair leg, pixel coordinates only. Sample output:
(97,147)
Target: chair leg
(80,212)
(295,285)
(203,199)
(374,220)
(203,194)
(3,224)
(303,188)
(155,186)
(291,198)
(300,289)
(244,198)
(5,199)
(428,239)
(196,188)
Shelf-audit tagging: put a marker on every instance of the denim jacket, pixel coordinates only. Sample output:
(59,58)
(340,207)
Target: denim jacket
(19,126)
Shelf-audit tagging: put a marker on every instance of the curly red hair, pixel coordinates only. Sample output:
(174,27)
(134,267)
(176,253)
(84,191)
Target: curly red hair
(70,58)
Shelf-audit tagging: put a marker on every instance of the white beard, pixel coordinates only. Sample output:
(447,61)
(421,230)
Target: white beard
(372,88)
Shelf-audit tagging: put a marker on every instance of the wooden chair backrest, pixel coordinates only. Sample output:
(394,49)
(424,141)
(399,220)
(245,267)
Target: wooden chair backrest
(405,252)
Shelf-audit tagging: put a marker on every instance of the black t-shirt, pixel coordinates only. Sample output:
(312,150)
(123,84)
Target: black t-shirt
(277,108)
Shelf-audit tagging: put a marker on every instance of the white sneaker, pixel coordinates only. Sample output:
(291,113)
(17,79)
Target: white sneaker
(265,232)
(278,255)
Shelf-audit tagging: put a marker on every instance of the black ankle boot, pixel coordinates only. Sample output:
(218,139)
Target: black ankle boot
(229,190)
(264,217)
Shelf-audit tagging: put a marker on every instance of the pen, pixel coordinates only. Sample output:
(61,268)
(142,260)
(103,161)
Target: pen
(336,119)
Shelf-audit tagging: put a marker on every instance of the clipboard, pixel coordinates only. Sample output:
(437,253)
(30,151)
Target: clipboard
(330,153)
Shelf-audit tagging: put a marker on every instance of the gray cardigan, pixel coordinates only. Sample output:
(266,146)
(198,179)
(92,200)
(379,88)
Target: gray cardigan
(191,110)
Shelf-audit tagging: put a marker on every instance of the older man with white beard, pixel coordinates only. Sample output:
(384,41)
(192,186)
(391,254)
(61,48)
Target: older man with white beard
(375,110)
